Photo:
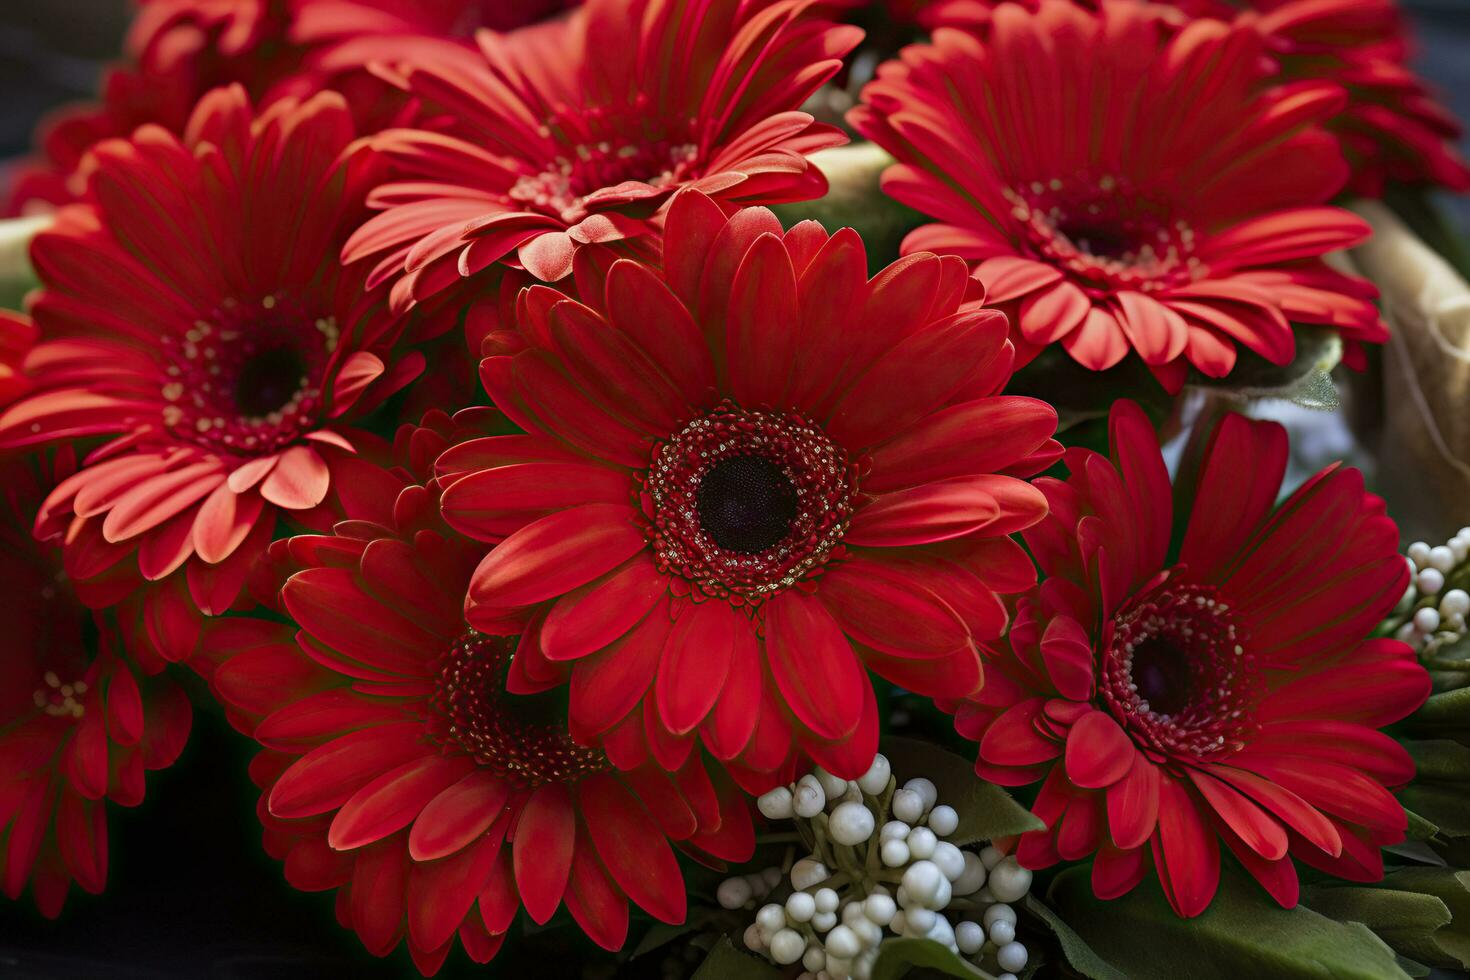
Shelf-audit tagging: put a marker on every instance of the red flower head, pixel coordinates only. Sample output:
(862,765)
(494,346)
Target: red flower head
(579,132)
(402,772)
(78,723)
(1393,129)
(1064,154)
(745,480)
(180,49)
(1221,692)
(195,318)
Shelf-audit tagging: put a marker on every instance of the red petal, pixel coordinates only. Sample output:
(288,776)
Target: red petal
(457,816)
(391,802)
(557,553)
(696,660)
(814,665)
(544,837)
(632,849)
(1099,753)
(1185,851)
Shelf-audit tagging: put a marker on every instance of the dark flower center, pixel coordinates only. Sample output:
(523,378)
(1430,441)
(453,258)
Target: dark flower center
(51,642)
(269,380)
(562,189)
(246,379)
(744,504)
(1104,235)
(1177,675)
(522,739)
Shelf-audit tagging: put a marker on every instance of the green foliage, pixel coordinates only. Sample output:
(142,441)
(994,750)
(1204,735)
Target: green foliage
(1080,956)
(1306,380)
(985,810)
(1423,913)
(898,957)
(725,962)
(1242,934)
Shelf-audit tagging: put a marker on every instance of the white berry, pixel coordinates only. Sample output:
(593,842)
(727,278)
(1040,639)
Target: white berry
(1011,957)
(733,893)
(1456,602)
(879,909)
(1442,558)
(991,856)
(951,860)
(753,938)
(787,946)
(893,830)
(777,804)
(833,786)
(925,789)
(875,780)
(800,907)
(851,824)
(972,878)
(943,820)
(908,806)
(826,900)
(843,942)
(918,922)
(810,798)
(808,872)
(895,853)
(1002,932)
(1009,882)
(997,913)
(1426,620)
(922,881)
(969,937)
(1430,581)
(823,921)
(921,842)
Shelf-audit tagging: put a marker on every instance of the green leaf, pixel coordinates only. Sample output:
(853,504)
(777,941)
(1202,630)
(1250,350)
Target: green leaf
(1305,380)
(1406,920)
(1443,713)
(1440,759)
(1446,805)
(725,962)
(1081,956)
(897,957)
(1242,934)
(986,811)
(660,934)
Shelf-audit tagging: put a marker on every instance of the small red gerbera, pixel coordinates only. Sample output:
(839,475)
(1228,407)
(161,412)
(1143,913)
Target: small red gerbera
(78,723)
(580,131)
(1393,128)
(193,314)
(1064,154)
(402,772)
(1221,692)
(748,479)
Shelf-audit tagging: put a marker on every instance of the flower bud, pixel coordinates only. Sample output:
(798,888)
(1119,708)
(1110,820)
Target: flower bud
(809,799)
(808,872)
(777,804)
(851,824)
(733,893)
(875,780)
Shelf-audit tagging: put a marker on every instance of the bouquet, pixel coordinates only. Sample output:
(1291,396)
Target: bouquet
(757,488)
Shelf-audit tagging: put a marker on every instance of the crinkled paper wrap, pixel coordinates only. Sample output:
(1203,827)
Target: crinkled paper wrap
(1424,446)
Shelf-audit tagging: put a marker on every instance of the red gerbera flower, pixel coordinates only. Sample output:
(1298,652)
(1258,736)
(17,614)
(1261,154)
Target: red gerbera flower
(78,723)
(401,771)
(1221,692)
(580,132)
(195,317)
(1065,156)
(746,479)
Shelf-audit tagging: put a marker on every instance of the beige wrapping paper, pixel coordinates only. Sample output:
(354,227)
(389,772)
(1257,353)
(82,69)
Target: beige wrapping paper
(1424,447)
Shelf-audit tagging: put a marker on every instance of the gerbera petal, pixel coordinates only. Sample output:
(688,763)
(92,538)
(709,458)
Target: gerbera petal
(814,665)
(556,554)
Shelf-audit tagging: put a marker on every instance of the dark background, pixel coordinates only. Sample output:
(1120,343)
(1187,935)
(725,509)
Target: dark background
(190,892)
